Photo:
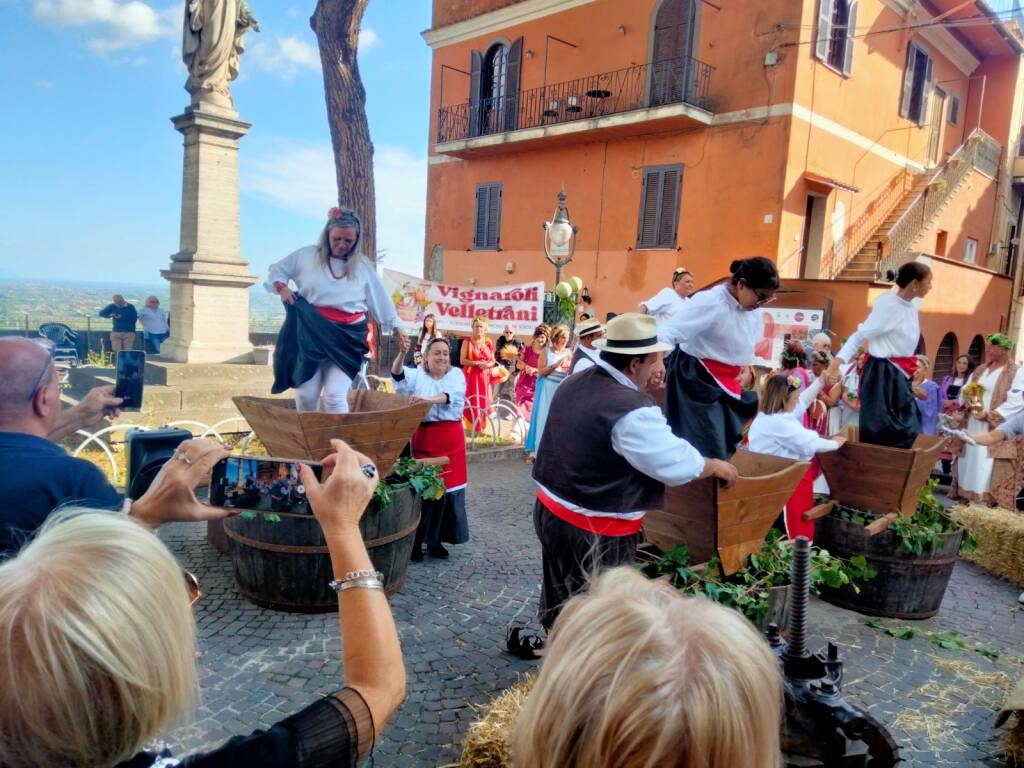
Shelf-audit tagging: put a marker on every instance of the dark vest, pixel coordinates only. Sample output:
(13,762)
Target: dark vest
(575,460)
(578,355)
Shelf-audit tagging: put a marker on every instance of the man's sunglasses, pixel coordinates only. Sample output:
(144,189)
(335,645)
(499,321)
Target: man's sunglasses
(51,351)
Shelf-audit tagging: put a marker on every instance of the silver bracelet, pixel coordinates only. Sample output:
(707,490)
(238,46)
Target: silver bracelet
(366,583)
(362,575)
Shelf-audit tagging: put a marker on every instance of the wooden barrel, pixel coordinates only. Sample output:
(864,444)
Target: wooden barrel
(286,565)
(906,587)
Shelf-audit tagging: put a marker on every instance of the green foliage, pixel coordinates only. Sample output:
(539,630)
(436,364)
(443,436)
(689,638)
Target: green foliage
(425,480)
(270,517)
(922,532)
(748,590)
(100,359)
(949,640)
(566,307)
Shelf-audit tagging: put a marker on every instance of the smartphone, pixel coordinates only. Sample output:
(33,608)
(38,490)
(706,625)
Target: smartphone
(131,367)
(260,484)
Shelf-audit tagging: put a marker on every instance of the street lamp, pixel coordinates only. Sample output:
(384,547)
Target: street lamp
(560,238)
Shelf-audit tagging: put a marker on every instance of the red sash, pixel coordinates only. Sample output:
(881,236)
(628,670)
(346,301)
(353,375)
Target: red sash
(337,316)
(801,500)
(602,526)
(725,375)
(908,365)
(443,438)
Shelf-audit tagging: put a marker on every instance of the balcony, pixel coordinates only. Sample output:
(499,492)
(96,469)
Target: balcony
(662,95)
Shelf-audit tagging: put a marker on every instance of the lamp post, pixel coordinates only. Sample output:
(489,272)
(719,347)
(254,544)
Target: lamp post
(560,238)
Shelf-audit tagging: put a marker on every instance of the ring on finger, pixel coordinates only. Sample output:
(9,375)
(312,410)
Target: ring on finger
(369,470)
(183,457)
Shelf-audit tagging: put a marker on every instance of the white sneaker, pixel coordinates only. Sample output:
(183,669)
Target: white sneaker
(1021,598)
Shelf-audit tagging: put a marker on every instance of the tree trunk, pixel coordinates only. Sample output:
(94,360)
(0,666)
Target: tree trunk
(336,24)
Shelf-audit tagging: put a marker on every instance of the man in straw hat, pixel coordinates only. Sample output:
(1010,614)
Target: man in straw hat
(585,356)
(607,454)
(993,475)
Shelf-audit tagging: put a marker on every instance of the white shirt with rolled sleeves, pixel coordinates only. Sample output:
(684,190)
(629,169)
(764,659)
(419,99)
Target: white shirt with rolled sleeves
(712,325)
(892,329)
(361,292)
(585,362)
(154,320)
(782,434)
(663,303)
(644,439)
(419,383)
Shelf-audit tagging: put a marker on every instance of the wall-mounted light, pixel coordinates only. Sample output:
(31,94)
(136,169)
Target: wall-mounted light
(622,29)
(471,281)
(510,267)
(529,54)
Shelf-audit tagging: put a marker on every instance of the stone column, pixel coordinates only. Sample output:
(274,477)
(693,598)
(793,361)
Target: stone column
(209,278)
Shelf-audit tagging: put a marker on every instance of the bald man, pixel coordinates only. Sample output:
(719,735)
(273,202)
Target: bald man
(37,475)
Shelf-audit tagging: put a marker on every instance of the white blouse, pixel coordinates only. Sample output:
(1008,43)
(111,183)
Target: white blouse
(783,435)
(664,303)
(711,325)
(419,383)
(352,293)
(893,329)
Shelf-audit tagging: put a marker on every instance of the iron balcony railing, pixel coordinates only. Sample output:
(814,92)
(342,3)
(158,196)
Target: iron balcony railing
(660,83)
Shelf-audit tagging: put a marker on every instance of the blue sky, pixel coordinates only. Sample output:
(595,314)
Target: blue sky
(91,179)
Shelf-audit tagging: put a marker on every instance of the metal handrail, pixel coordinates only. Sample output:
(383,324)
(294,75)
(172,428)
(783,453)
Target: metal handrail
(642,86)
(843,251)
(980,152)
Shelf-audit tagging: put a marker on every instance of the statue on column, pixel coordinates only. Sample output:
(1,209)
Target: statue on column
(212,46)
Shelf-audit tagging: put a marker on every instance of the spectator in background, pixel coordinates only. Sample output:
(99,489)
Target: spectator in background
(667,300)
(926,392)
(506,351)
(124,317)
(529,360)
(949,400)
(105,656)
(633,668)
(428,332)
(156,325)
(821,342)
(40,476)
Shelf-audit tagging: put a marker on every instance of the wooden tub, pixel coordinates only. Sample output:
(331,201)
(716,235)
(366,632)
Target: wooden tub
(379,425)
(731,523)
(881,479)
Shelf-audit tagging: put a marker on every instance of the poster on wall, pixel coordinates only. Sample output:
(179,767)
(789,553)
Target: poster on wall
(781,325)
(455,306)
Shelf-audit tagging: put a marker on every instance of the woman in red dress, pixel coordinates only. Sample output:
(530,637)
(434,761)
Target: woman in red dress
(477,360)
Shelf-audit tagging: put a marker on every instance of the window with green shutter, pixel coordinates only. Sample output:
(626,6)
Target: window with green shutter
(659,206)
(487,226)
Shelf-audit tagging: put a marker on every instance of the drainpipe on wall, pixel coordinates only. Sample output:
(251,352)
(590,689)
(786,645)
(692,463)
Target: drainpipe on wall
(1016,320)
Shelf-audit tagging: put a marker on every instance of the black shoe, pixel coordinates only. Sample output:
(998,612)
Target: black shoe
(438,551)
(417,555)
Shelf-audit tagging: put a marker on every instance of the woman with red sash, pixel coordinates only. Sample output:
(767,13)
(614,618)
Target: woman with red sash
(888,409)
(328,289)
(440,434)
(779,431)
(715,332)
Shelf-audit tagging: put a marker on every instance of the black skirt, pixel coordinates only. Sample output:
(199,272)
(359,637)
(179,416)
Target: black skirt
(308,339)
(888,410)
(701,412)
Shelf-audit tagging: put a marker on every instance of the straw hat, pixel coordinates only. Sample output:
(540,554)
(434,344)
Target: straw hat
(631,334)
(588,327)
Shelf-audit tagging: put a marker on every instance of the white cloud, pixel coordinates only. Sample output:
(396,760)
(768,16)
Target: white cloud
(299,177)
(284,56)
(118,25)
(44,84)
(368,39)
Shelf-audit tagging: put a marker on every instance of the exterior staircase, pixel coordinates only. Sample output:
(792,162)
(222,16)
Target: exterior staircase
(881,238)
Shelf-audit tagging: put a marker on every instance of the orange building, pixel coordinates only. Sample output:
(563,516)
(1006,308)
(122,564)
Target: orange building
(838,137)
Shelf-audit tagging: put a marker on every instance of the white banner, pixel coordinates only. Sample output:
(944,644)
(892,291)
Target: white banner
(520,306)
(782,325)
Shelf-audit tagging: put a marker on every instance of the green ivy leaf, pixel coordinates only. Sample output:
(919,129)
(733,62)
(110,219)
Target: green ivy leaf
(902,633)
(247,515)
(988,653)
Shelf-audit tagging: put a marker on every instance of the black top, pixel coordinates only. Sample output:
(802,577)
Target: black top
(334,732)
(124,317)
(38,477)
(576,460)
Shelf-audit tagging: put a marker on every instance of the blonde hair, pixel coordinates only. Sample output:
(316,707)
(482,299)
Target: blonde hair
(775,393)
(560,331)
(637,676)
(482,319)
(356,257)
(97,648)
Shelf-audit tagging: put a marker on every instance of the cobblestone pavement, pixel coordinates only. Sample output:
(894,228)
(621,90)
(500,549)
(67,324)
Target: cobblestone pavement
(259,665)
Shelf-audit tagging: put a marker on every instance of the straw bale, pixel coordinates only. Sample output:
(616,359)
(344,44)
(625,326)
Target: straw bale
(486,743)
(1000,535)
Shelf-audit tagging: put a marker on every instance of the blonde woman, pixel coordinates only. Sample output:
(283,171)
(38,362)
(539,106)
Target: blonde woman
(97,644)
(552,368)
(477,360)
(323,341)
(636,675)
